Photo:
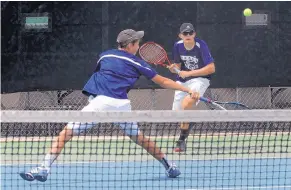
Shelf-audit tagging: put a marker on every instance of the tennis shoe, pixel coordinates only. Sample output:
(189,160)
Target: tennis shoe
(39,173)
(173,171)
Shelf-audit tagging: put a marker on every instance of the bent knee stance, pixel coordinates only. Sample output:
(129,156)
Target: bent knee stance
(65,135)
(187,103)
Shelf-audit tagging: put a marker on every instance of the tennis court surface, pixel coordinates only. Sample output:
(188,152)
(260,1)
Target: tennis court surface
(226,150)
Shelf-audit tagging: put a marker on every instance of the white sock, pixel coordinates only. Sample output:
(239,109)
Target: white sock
(48,160)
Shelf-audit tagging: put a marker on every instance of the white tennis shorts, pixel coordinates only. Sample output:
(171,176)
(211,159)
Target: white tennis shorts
(104,103)
(197,84)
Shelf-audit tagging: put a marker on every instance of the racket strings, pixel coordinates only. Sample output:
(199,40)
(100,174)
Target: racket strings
(152,53)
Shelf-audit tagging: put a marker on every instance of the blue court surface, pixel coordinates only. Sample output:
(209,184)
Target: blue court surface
(267,173)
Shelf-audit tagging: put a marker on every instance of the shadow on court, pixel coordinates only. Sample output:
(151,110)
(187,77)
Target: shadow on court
(269,173)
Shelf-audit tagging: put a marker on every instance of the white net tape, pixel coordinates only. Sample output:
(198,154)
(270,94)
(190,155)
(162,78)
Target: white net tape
(147,116)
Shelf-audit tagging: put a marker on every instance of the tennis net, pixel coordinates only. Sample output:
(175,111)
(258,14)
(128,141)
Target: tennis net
(225,150)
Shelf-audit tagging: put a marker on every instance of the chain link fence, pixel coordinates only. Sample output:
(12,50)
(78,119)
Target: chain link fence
(148,99)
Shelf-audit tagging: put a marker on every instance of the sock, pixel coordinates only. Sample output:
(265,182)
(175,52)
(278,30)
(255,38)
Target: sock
(165,162)
(48,160)
(184,134)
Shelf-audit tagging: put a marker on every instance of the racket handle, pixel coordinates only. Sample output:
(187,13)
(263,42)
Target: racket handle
(176,70)
(204,99)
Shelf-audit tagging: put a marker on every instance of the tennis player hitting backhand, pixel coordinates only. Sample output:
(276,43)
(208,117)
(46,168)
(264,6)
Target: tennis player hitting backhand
(191,56)
(116,72)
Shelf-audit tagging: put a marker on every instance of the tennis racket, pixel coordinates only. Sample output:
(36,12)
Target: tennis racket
(155,54)
(224,105)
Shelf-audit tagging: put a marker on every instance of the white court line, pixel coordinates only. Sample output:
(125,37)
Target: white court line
(242,188)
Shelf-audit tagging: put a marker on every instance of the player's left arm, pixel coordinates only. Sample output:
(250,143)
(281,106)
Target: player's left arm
(176,59)
(208,61)
(207,70)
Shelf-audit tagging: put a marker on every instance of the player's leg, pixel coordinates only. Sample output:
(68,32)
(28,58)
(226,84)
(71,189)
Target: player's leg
(177,105)
(132,130)
(40,173)
(185,128)
(151,147)
(199,85)
(178,98)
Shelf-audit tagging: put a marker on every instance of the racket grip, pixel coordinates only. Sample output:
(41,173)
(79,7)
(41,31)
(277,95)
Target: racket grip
(204,99)
(176,70)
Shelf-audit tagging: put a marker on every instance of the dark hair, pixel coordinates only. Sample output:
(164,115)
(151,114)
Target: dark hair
(123,45)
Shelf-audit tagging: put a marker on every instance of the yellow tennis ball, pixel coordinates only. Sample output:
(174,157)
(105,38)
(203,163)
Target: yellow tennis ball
(247,12)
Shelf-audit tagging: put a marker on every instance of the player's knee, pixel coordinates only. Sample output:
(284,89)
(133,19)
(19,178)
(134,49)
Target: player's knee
(63,132)
(66,134)
(187,103)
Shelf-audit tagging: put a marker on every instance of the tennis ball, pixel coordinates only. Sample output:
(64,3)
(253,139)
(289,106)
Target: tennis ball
(247,12)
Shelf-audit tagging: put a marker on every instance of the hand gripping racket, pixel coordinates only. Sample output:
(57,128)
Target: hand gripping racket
(155,54)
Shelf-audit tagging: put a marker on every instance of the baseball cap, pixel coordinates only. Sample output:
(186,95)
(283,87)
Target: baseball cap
(129,35)
(186,27)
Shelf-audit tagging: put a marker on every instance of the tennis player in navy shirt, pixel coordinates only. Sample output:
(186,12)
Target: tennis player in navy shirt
(192,56)
(116,72)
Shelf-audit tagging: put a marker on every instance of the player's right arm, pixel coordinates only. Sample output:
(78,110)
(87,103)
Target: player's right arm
(164,82)
(170,84)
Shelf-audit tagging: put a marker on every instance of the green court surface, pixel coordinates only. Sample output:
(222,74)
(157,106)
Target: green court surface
(31,150)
